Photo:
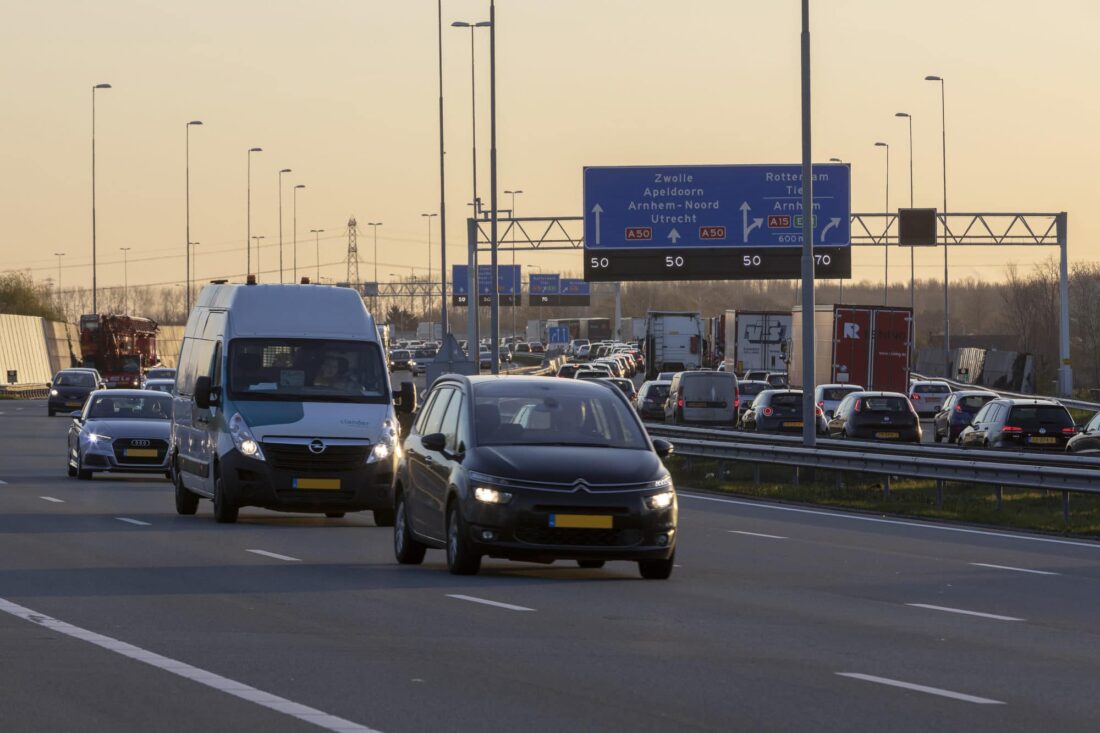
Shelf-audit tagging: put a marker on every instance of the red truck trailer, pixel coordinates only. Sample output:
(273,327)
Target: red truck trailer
(867,345)
(121,347)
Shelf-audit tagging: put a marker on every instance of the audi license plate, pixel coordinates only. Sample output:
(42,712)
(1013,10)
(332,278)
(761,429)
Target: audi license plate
(887,435)
(793,424)
(328,484)
(581,521)
(140,452)
(1042,441)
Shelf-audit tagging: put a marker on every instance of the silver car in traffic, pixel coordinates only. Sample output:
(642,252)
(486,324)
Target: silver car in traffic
(120,431)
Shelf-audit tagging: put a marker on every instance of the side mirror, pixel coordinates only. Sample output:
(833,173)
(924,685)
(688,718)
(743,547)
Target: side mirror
(75,415)
(662,447)
(202,393)
(434,442)
(49,384)
(405,398)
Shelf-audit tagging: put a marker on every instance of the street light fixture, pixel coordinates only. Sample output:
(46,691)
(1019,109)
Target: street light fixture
(946,304)
(317,246)
(912,250)
(473,100)
(284,170)
(295,225)
(886,230)
(95,308)
(248,215)
(187,156)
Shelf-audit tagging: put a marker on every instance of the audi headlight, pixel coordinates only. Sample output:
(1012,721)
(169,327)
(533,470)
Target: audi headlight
(386,445)
(243,439)
(97,439)
(53,393)
(491,496)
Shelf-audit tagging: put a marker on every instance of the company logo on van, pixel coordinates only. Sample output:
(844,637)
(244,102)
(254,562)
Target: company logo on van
(317,447)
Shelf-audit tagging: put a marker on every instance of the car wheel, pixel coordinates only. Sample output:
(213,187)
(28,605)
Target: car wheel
(461,559)
(406,549)
(590,564)
(225,511)
(936,436)
(383,517)
(187,503)
(656,569)
(72,471)
(51,412)
(334,515)
(82,474)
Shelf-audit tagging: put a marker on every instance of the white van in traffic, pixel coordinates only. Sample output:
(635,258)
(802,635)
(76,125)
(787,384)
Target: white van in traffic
(283,400)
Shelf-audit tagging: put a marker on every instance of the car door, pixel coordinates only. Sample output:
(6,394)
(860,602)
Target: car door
(840,414)
(1089,440)
(941,423)
(442,465)
(421,465)
(974,435)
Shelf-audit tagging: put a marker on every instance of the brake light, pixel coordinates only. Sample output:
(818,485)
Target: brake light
(736,402)
(858,407)
(1011,429)
(915,397)
(821,405)
(1070,430)
(767,411)
(819,412)
(680,402)
(958,408)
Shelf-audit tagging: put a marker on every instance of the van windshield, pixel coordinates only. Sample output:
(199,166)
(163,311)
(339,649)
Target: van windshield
(311,370)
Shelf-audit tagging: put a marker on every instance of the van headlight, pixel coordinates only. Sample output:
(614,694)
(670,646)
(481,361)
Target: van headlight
(386,445)
(243,439)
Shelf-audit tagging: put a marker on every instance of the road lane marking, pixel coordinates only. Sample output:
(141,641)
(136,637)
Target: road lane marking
(275,555)
(756,534)
(964,612)
(485,601)
(215,681)
(50,498)
(921,688)
(138,522)
(1015,570)
(3,483)
(877,520)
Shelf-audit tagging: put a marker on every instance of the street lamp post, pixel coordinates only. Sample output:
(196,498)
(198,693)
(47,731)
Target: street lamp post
(946,308)
(494,303)
(374,228)
(256,238)
(295,226)
(317,247)
(428,285)
(248,215)
(809,434)
(59,255)
(95,308)
(284,170)
(473,99)
(187,165)
(886,230)
(125,280)
(912,250)
(515,283)
(195,260)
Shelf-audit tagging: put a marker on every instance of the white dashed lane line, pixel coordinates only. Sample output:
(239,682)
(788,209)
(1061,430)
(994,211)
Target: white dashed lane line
(939,691)
(52,499)
(275,555)
(1015,570)
(487,602)
(964,612)
(138,522)
(756,534)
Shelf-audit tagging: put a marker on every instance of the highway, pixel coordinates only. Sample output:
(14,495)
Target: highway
(117,614)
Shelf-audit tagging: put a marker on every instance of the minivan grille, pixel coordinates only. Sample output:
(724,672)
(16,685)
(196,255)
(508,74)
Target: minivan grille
(298,458)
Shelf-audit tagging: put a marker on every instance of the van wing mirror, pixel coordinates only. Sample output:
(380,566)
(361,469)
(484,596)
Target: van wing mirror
(405,398)
(202,393)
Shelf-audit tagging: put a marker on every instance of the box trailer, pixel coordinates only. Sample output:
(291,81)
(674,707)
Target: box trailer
(673,342)
(859,344)
(756,340)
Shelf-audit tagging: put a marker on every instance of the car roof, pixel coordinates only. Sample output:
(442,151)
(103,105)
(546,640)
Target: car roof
(877,393)
(855,387)
(123,392)
(1020,401)
(937,382)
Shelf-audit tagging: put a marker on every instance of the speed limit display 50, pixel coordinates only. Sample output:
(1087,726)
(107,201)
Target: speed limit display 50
(713,264)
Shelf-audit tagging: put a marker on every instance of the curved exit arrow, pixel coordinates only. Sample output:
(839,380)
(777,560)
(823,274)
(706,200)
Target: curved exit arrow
(833,224)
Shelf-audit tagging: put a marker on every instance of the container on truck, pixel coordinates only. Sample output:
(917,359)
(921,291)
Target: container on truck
(756,340)
(120,347)
(863,344)
(673,342)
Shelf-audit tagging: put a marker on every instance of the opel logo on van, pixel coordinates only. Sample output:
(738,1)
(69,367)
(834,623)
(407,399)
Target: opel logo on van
(317,447)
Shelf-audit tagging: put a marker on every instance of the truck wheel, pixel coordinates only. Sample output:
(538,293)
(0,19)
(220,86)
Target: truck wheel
(225,511)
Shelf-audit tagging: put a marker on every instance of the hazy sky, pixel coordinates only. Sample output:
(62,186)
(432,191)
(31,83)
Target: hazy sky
(345,94)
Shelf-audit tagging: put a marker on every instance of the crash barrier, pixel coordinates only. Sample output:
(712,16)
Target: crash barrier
(1068,402)
(24,350)
(24,392)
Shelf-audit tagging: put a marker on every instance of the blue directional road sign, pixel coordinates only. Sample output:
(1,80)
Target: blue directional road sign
(507,279)
(575,292)
(558,334)
(543,289)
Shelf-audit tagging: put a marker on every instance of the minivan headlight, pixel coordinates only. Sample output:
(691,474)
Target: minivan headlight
(386,445)
(661,501)
(487,495)
(243,439)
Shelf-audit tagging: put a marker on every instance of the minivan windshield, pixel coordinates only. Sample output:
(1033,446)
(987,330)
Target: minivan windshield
(312,370)
(557,413)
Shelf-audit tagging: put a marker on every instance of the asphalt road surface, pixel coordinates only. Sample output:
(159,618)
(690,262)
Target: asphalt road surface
(118,615)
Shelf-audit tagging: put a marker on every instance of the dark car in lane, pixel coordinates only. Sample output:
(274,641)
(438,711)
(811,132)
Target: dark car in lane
(527,468)
(957,412)
(1020,424)
(120,431)
(747,390)
(650,401)
(876,416)
(625,386)
(69,388)
(1087,439)
(402,360)
(780,411)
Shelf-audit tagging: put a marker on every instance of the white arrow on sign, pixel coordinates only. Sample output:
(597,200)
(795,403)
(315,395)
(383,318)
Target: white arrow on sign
(833,224)
(674,235)
(597,210)
(746,229)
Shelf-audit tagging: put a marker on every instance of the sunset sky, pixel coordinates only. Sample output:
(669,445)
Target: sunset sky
(345,94)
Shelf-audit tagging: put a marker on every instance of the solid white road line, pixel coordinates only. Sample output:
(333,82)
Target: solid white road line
(138,522)
(877,520)
(498,604)
(195,674)
(275,555)
(3,483)
(964,612)
(756,534)
(50,498)
(921,688)
(1015,570)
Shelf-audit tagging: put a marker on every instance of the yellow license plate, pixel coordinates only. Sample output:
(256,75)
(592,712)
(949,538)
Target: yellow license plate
(1044,441)
(581,521)
(330,484)
(73,404)
(696,404)
(140,452)
(792,424)
(887,435)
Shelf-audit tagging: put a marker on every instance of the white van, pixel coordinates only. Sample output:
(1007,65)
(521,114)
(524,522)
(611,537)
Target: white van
(283,401)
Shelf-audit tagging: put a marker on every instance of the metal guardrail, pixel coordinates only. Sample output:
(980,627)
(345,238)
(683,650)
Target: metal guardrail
(1068,402)
(24,392)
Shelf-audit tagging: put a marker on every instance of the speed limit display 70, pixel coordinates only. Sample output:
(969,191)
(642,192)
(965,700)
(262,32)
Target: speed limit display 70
(764,263)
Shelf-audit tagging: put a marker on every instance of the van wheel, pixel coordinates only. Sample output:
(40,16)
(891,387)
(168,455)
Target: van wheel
(383,517)
(334,515)
(656,569)
(225,512)
(461,559)
(590,564)
(187,503)
(406,549)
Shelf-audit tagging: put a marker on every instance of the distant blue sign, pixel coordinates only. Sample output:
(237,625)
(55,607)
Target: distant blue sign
(676,207)
(460,280)
(507,278)
(558,334)
(544,284)
(575,287)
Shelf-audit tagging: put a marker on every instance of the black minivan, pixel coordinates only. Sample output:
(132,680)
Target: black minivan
(537,469)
